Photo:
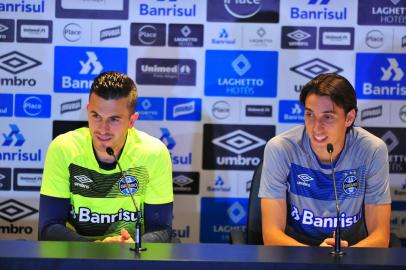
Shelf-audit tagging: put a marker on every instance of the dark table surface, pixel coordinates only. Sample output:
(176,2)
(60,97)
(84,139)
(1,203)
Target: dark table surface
(96,256)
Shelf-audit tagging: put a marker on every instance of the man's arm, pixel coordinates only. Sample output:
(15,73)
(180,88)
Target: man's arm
(158,222)
(377,217)
(274,223)
(53,214)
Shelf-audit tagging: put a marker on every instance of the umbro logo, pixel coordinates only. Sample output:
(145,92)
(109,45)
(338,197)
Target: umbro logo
(16,62)
(83,179)
(12,210)
(314,67)
(391,140)
(182,180)
(299,35)
(305,177)
(238,141)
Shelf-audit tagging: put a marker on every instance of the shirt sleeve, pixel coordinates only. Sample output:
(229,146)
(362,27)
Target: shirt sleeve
(275,170)
(53,215)
(160,188)
(55,178)
(377,181)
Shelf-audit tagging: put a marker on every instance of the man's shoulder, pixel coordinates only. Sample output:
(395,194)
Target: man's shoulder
(143,140)
(74,138)
(363,137)
(293,137)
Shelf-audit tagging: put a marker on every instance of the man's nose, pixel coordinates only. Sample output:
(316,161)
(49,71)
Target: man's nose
(104,126)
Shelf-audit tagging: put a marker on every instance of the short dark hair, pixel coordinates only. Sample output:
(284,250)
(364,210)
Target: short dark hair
(115,85)
(335,86)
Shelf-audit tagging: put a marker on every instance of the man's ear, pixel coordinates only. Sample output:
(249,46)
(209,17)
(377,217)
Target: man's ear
(133,118)
(350,118)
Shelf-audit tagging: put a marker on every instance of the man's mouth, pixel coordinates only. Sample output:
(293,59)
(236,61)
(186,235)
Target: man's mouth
(319,138)
(103,138)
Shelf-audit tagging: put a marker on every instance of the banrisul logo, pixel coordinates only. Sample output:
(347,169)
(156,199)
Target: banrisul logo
(241,73)
(77,67)
(36,106)
(378,12)
(184,109)
(169,141)
(6,105)
(290,111)
(322,10)
(221,215)
(380,76)
(23,6)
(234,147)
(150,108)
(260,11)
(167,8)
(11,148)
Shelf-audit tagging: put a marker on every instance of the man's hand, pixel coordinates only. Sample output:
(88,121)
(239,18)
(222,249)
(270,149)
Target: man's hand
(125,237)
(330,242)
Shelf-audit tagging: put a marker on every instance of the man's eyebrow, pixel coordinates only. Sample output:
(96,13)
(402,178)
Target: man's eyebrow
(328,111)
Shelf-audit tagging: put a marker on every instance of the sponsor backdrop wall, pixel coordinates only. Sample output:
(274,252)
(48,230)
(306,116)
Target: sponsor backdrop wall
(217,79)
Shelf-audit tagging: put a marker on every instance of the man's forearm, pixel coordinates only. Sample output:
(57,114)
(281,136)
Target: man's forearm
(58,232)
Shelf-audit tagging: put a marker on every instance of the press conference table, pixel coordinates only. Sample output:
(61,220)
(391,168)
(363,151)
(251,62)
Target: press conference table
(99,256)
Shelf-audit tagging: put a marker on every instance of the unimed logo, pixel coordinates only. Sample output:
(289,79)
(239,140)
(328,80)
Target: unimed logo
(234,147)
(166,71)
(12,211)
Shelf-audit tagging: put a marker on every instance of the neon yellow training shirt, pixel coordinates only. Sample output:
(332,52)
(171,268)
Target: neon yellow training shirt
(100,203)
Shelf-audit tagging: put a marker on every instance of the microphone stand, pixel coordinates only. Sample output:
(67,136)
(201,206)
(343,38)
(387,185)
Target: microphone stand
(337,236)
(137,237)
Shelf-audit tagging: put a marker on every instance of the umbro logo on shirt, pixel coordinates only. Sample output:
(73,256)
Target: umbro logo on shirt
(304,179)
(82,180)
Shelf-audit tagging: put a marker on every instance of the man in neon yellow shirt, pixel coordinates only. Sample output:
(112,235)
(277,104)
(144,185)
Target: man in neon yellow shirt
(83,194)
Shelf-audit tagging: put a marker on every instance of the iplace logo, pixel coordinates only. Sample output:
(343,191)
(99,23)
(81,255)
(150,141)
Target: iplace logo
(255,11)
(148,34)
